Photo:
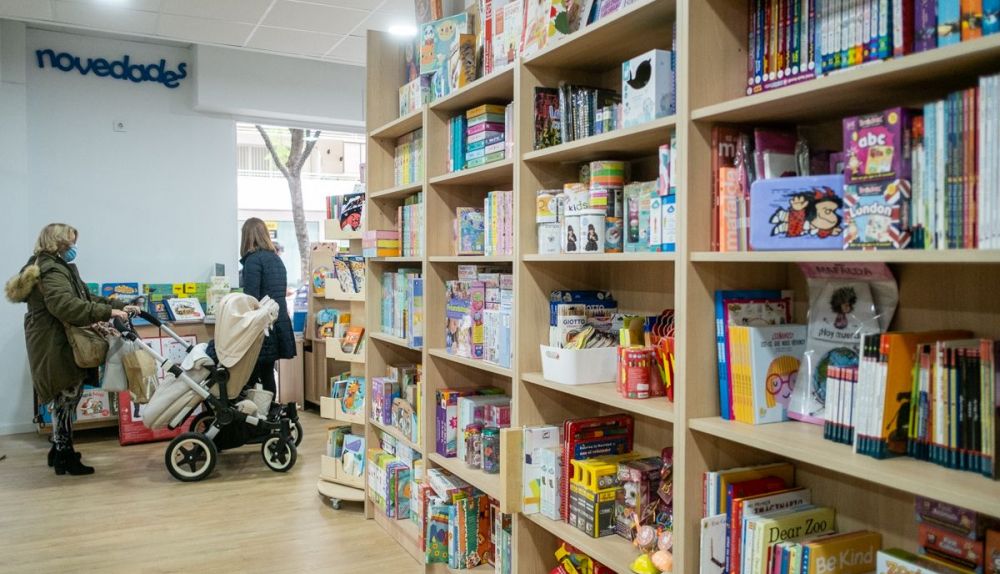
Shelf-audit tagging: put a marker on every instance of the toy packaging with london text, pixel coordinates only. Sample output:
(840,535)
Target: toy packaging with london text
(877,215)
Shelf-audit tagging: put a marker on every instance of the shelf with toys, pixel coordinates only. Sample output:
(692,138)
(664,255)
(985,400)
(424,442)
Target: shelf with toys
(443,354)
(488,483)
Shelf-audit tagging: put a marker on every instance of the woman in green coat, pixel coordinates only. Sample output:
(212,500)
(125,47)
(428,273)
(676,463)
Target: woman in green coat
(51,286)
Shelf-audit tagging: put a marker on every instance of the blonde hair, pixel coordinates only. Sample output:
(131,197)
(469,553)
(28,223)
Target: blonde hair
(55,238)
(255,237)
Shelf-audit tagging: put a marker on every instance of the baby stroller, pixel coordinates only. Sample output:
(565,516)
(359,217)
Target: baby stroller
(230,418)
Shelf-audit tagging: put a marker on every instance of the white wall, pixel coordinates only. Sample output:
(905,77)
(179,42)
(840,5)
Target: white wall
(290,90)
(156,203)
(15,408)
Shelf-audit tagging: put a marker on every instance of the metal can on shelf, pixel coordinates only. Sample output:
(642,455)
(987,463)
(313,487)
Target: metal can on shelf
(491,450)
(474,445)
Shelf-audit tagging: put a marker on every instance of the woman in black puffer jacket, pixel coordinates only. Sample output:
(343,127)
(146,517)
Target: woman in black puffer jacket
(264,274)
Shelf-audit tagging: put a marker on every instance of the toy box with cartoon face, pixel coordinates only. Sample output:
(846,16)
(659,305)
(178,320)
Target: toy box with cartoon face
(877,146)
(877,215)
(797,213)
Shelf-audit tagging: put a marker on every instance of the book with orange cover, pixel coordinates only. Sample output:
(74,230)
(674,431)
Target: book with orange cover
(352,340)
(891,405)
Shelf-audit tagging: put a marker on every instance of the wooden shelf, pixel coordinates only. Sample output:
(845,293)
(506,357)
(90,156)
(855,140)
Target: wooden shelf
(584,257)
(870,87)
(471,259)
(398,192)
(964,256)
(488,483)
(404,532)
(607,394)
(392,340)
(613,551)
(399,127)
(625,143)
(336,294)
(333,232)
(491,174)
(804,442)
(607,43)
(394,433)
(495,88)
(408,259)
(475,364)
(334,351)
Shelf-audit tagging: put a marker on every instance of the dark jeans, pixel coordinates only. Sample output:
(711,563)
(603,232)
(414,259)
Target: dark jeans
(263,374)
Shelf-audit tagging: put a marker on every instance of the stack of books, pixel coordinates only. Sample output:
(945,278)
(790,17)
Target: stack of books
(485,135)
(409,159)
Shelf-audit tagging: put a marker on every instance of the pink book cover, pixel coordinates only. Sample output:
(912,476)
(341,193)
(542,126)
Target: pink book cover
(492,127)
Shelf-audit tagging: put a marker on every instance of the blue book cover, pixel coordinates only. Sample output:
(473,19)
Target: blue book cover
(991,17)
(415,303)
(797,213)
(949,22)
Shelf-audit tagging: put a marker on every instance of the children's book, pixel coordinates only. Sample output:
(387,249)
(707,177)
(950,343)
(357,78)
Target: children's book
(350,209)
(534,31)
(766,367)
(797,213)
(469,229)
(755,505)
(590,437)
(713,544)
(352,340)
(547,117)
(756,308)
(844,553)
(185,310)
(767,530)
(439,40)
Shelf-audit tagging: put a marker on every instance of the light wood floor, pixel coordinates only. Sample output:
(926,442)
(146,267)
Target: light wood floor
(131,516)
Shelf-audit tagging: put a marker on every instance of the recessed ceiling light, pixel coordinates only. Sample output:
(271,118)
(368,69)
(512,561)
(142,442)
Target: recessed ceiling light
(403,30)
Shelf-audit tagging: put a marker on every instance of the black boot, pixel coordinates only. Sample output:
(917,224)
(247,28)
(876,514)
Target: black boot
(52,456)
(68,461)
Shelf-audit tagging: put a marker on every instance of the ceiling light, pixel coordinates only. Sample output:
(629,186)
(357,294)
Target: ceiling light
(403,30)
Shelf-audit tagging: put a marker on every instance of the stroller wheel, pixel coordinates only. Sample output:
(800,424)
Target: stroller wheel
(295,429)
(202,422)
(279,455)
(191,457)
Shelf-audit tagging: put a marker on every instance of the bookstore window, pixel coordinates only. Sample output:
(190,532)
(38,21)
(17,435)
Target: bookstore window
(331,166)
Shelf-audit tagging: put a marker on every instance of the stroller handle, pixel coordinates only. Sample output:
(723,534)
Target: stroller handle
(152,319)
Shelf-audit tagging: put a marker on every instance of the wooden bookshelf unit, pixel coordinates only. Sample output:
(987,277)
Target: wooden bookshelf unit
(937,289)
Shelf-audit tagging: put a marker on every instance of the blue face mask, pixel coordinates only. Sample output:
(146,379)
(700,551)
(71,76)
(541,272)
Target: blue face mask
(70,254)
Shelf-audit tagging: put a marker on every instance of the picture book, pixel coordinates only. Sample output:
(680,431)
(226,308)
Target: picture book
(925,26)
(350,210)
(797,213)
(120,291)
(565,17)
(469,229)
(415,313)
(756,308)
(440,39)
(534,31)
(877,215)
(765,368)
(846,553)
(352,340)
(764,531)
(185,310)
(878,145)
(459,320)
(547,117)
(713,544)
(722,479)
(759,504)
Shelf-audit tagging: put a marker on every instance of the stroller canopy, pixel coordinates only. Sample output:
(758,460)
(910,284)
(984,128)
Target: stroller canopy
(240,323)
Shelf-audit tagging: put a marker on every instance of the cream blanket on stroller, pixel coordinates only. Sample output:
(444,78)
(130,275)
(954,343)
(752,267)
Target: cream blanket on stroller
(242,322)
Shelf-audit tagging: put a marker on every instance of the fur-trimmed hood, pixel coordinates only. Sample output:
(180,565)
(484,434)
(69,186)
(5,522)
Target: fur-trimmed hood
(19,287)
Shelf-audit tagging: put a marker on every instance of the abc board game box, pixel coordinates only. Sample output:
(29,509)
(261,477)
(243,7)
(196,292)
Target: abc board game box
(877,215)
(877,146)
(797,213)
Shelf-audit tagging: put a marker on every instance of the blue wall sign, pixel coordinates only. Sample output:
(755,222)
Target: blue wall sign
(121,69)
